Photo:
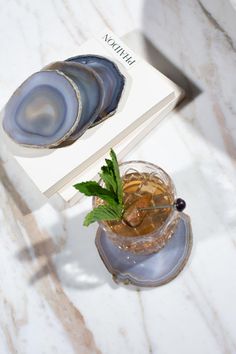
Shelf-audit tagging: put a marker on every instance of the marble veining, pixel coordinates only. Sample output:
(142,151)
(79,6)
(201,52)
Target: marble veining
(55,293)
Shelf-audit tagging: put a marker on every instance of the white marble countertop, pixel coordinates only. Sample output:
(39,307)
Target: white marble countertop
(55,294)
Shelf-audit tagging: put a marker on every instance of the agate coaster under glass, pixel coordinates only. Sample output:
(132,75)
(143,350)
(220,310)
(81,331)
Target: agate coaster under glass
(147,270)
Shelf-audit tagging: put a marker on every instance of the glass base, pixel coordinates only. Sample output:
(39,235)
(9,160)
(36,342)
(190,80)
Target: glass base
(147,270)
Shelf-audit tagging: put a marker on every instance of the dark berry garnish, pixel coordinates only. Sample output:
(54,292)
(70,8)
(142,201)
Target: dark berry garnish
(180,204)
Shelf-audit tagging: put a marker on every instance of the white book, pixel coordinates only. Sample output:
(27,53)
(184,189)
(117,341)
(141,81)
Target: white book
(147,94)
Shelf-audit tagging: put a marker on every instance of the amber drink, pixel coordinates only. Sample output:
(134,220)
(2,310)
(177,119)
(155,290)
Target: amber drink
(149,218)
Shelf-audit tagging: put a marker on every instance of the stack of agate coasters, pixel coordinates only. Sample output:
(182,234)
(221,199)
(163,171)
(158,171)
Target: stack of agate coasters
(62,121)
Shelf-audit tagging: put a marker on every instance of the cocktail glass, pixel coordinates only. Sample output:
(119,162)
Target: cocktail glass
(151,215)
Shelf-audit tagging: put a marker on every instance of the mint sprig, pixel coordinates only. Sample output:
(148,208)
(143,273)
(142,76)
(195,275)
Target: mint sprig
(103,212)
(112,194)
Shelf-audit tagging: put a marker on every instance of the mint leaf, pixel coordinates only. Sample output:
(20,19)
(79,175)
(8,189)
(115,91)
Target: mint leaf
(108,178)
(92,188)
(117,176)
(102,212)
(109,164)
(111,171)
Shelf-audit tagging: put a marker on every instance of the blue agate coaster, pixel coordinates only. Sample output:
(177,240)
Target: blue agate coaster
(147,270)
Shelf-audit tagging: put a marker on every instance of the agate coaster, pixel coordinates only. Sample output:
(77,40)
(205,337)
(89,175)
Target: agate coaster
(147,270)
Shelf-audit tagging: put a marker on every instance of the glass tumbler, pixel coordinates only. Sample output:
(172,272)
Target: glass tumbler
(150,187)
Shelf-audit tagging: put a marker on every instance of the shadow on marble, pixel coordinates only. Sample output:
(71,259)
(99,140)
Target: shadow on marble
(77,263)
(199,55)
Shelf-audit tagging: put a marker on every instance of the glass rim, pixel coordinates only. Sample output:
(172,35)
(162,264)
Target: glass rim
(150,234)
